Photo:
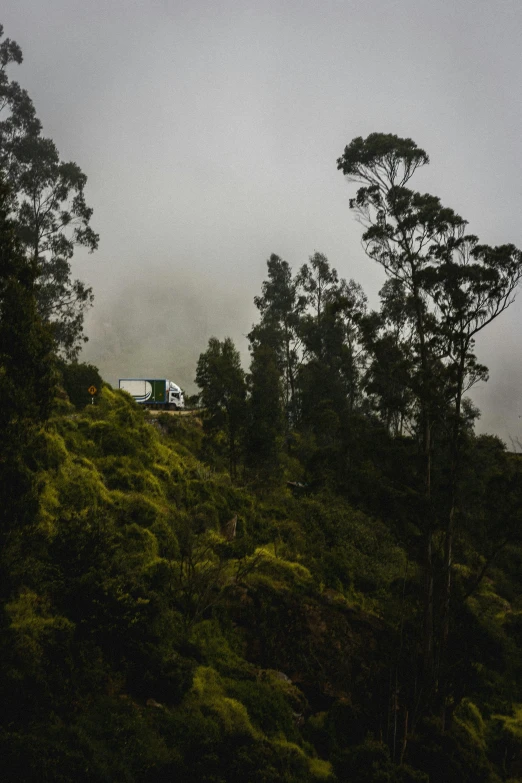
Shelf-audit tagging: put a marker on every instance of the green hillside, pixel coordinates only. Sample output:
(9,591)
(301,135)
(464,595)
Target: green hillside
(147,642)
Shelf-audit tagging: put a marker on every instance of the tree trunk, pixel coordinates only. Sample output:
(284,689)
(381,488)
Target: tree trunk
(455,447)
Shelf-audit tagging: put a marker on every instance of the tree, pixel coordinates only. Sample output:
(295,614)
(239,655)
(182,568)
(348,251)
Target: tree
(221,379)
(402,227)
(26,379)
(265,419)
(471,285)
(491,489)
(319,281)
(387,339)
(77,378)
(49,206)
(281,306)
(330,332)
(329,376)
(21,120)
(453,286)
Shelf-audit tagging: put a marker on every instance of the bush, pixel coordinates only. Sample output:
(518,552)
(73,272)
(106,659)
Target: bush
(77,379)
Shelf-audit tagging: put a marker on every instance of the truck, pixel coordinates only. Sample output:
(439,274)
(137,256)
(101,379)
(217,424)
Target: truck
(158,393)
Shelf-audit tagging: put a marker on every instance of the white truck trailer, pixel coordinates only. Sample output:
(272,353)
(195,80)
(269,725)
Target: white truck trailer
(158,393)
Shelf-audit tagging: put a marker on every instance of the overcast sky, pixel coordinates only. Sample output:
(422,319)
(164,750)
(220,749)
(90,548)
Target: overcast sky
(209,131)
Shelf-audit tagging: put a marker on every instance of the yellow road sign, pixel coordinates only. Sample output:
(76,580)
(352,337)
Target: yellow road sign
(92,390)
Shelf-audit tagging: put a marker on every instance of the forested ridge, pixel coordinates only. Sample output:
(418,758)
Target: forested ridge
(314,576)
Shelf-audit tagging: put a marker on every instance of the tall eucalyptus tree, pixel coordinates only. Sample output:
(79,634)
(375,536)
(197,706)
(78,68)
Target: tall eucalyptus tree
(454,287)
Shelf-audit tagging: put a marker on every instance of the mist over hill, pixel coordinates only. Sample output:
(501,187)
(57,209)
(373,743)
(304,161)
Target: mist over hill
(159,325)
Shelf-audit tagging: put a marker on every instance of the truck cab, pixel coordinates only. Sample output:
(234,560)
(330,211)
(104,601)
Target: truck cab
(176,396)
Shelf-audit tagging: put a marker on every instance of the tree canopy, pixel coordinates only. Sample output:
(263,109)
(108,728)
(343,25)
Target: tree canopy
(48,204)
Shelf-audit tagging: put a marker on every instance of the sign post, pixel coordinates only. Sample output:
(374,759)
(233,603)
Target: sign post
(92,391)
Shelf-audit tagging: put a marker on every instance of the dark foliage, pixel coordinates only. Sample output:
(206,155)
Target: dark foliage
(77,379)
(48,204)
